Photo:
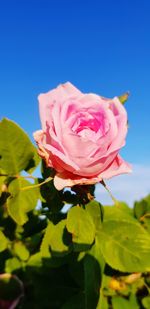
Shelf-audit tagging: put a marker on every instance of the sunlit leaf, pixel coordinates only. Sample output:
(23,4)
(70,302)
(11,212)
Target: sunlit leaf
(125,245)
(21,202)
(81,226)
(146,302)
(45,245)
(95,210)
(60,240)
(16,149)
(3,242)
(12,265)
(21,251)
(54,239)
(122,303)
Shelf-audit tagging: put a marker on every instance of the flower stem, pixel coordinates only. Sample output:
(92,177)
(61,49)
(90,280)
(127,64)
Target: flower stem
(112,197)
(37,185)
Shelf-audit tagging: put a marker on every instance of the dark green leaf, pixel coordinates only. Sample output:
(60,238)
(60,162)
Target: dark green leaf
(92,278)
(76,302)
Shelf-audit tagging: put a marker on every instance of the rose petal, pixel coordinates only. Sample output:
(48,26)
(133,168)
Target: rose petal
(70,89)
(119,166)
(63,180)
(39,137)
(121,119)
(48,100)
(52,156)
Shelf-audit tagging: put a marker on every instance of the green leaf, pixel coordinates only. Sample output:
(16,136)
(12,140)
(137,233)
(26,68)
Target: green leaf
(142,207)
(122,303)
(81,226)
(103,303)
(75,302)
(146,224)
(21,251)
(146,302)
(124,97)
(35,260)
(99,261)
(125,245)
(95,252)
(76,270)
(120,212)
(95,210)
(12,265)
(92,276)
(124,207)
(142,212)
(54,239)
(2,179)
(45,246)
(59,240)
(16,149)
(34,162)
(20,202)
(3,242)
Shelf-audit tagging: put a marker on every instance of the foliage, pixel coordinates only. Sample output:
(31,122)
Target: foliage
(91,256)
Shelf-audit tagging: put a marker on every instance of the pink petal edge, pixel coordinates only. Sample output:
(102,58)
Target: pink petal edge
(119,166)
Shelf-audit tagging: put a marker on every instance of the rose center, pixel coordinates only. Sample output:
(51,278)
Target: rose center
(91,127)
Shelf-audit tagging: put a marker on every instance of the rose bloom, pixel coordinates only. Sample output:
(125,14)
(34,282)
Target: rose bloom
(81,136)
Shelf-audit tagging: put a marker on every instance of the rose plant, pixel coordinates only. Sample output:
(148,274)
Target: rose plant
(89,256)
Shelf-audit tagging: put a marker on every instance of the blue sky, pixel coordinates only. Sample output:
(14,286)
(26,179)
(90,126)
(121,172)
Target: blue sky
(100,46)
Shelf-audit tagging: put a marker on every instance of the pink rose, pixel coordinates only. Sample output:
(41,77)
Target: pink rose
(81,136)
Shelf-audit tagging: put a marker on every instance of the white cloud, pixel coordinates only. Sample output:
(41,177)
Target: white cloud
(128,187)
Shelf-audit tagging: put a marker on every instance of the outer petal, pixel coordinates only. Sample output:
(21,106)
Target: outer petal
(117,107)
(48,100)
(39,137)
(65,179)
(121,119)
(52,156)
(118,166)
(70,89)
